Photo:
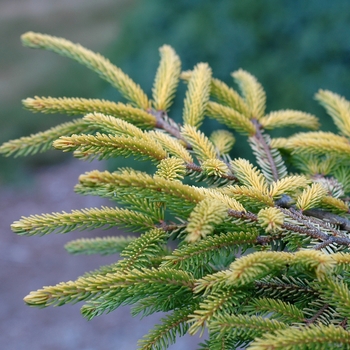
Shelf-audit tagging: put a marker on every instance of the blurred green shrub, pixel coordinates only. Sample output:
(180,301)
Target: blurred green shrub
(292,47)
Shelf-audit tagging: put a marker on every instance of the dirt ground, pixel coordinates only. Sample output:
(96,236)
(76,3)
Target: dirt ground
(28,263)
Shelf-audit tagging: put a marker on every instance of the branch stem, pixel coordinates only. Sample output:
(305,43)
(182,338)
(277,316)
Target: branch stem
(258,136)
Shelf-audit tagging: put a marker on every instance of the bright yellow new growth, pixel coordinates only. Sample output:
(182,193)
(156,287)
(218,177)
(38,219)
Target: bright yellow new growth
(171,169)
(320,143)
(223,141)
(79,220)
(338,108)
(288,185)
(250,195)
(205,216)
(342,259)
(315,336)
(315,261)
(252,92)
(42,141)
(197,95)
(94,61)
(215,167)
(311,196)
(335,204)
(127,178)
(271,219)
(229,97)
(230,117)
(289,118)
(248,175)
(230,202)
(106,146)
(202,146)
(256,265)
(72,106)
(116,126)
(224,94)
(172,145)
(279,142)
(167,78)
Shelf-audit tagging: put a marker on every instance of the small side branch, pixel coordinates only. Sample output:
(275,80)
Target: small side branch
(343,223)
(267,150)
(167,124)
(309,228)
(311,320)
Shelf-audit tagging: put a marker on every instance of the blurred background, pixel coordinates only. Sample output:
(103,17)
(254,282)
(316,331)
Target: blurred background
(294,48)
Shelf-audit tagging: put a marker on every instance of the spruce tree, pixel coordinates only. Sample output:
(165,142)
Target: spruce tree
(259,254)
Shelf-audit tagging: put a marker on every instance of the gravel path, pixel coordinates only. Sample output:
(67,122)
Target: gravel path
(28,263)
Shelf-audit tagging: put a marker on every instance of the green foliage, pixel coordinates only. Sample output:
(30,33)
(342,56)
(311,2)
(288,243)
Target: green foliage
(261,256)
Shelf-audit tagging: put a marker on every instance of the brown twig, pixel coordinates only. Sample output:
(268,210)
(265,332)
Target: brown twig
(311,320)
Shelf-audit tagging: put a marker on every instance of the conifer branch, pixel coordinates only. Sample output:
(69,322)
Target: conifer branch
(197,95)
(73,106)
(269,159)
(317,315)
(253,93)
(80,220)
(260,256)
(230,117)
(102,66)
(289,118)
(314,336)
(42,141)
(102,246)
(107,146)
(165,333)
(167,78)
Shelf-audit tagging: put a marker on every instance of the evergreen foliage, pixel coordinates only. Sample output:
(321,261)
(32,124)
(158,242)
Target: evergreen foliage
(262,257)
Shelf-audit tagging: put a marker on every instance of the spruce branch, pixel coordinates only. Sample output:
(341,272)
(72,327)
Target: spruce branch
(320,143)
(197,95)
(230,117)
(223,141)
(73,106)
(312,320)
(201,253)
(289,118)
(336,293)
(259,255)
(243,326)
(79,220)
(338,108)
(211,306)
(312,230)
(268,158)
(102,66)
(167,78)
(102,246)
(287,289)
(42,141)
(282,311)
(252,91)
(202,146)
(314,336)
(223,94)
(164,334)
(157,281)
(105,146)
